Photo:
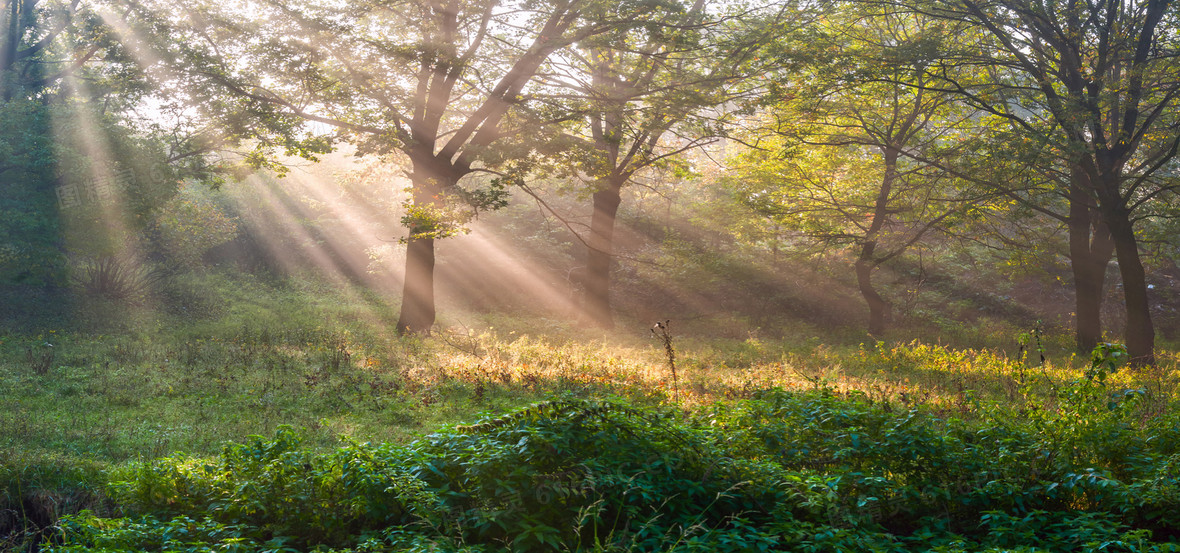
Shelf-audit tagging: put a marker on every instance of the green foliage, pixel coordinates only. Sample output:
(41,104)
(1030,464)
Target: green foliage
(189,225)
(1002,482)
(273,488)
(30,230)
(450,213)
(559,474)
(36,490)
(1105,359)
(813,471)
(494,197)
(579,474)
(434,222)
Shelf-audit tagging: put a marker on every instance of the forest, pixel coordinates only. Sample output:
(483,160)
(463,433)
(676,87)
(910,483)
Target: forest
(577,275)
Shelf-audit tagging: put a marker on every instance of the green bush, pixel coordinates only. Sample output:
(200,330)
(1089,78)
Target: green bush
(561,474)
(583,474)
(272,489)
(792,471)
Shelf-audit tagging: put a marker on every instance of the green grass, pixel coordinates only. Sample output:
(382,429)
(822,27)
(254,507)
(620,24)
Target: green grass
(233,357)
(302,354)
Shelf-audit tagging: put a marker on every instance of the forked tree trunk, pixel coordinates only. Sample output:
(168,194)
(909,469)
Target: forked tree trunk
(1090,251)
(599,257)
(1139,334)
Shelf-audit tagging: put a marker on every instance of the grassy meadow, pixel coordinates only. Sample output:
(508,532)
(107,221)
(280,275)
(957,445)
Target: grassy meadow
(715,277)
(132,423)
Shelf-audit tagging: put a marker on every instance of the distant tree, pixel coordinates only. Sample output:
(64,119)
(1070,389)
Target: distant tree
(837,156)
(434,80)
(639,97)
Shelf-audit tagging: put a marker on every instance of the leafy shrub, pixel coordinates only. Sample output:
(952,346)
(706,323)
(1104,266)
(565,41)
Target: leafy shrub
(269,489)
(593,474)
(811,471)
(872,472)
(188,226)
(561,474)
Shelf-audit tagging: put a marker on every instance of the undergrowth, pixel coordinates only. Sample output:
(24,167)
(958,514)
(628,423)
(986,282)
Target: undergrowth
(181,437)
(794,471)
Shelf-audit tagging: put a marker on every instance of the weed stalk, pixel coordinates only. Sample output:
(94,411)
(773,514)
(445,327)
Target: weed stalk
(670,352)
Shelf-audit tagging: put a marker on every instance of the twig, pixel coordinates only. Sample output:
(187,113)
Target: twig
(667,338)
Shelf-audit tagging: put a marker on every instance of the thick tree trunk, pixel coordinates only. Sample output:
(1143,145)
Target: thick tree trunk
(599,257)
(430,179)
(1140,332)
(1089,275)
(878,307)
(1090,251)
(418,312)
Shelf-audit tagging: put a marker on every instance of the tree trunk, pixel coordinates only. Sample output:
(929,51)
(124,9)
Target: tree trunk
(431,178)
(1090,250)
(417,314)
(10,33)
(1089,275)
(878,307)
(599,257)
(867,261)
(1140,332)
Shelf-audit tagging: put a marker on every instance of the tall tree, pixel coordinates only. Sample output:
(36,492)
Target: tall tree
(1023,167)
(642,96)
(29,30)
(435,80)
(1097,83)
(839,163)
(56,58)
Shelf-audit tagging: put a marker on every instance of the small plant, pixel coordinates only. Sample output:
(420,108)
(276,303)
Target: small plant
(40,357)
(1030,339)
(669,351)
(1105,360)
(119,278)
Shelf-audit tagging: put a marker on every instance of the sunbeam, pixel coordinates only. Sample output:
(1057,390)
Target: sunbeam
(100,226)
(322,218)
